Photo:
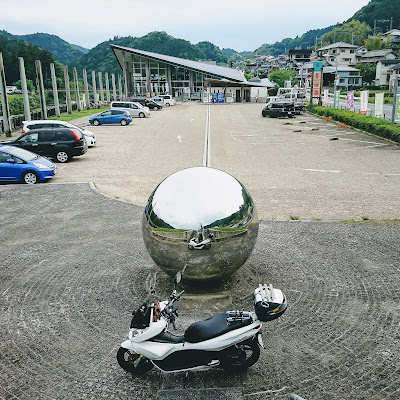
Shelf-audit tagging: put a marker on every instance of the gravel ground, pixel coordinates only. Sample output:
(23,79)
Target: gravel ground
(74,265)
(73,262)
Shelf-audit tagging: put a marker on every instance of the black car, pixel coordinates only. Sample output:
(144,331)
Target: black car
(58,143)
(278,110)
(152,105)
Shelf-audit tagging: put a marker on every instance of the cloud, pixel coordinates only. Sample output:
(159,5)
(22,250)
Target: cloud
(227,23)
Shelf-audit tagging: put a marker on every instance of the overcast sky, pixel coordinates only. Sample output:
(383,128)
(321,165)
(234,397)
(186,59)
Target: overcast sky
(240,25)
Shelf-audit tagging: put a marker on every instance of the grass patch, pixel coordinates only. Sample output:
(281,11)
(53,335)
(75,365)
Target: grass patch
(79,114)
(229,229)
(375,126)
(169,230)
(294,218)
(369,221)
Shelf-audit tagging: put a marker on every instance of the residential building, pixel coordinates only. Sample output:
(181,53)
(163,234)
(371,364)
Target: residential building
(382,71)
(347,77)
(377,55)
(339,53)
(393,72)
(296,58)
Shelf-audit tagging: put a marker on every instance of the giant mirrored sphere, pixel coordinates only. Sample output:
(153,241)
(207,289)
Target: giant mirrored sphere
(200,221)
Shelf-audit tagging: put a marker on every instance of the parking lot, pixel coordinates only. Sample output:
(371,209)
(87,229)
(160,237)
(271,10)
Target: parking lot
(73,262)
(292,167)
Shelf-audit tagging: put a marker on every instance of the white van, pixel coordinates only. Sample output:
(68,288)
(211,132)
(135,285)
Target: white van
(134,109)
(168,99)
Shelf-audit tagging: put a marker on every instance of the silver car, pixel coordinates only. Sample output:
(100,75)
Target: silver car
(133,108)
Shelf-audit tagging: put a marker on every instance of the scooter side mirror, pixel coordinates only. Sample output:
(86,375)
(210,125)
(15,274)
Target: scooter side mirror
(177,278)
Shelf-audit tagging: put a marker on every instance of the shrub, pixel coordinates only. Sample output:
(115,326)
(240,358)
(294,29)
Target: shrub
(376,126)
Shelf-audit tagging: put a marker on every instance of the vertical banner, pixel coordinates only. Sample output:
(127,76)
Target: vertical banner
(364,101)
(336,99)
(350,101)
(397,113)
(379,100)
(326,96)
(316,82)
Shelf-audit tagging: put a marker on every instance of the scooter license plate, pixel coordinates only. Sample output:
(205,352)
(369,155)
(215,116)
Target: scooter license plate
(260,341)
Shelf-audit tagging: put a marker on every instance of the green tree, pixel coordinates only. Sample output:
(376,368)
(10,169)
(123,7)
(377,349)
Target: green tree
(279,77)
(367,71)
(353,31)
(29,85)
(212,52)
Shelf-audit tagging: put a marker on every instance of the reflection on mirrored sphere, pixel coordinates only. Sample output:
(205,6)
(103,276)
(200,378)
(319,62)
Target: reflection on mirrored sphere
(201,221)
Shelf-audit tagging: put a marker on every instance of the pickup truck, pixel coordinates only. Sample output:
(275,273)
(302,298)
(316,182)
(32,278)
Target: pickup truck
(296,97)
(278,110)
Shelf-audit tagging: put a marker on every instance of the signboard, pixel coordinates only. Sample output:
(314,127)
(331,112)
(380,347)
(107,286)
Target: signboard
(379,100)
(350,101)
(137,75)
(326,96)
(364,101)
(336,101)
(317,65)
(317,84)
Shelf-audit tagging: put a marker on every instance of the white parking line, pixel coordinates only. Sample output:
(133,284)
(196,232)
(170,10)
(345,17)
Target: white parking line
(207,139)
(320,170)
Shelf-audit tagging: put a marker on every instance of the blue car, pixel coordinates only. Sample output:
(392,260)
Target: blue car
(18,164)
(111,117)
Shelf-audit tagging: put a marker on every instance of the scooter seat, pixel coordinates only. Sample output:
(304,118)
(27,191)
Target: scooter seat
(212,327)
(168,337)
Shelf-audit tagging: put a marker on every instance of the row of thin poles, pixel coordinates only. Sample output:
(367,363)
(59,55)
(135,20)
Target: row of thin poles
(7,122)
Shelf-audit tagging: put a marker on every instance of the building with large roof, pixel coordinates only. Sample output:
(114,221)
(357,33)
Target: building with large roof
(148,74)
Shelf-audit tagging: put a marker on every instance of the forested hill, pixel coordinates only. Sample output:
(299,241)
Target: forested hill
(62,51)
(380,10)
(102,59)
(12,49)
(304,41)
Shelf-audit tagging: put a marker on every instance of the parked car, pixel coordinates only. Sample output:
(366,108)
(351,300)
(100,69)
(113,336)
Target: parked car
(297,97)
(22,165)
(59,143)
(278,110)
(152,105)
(168,99)
(134,109)
(44,123)
(159,100)
(111,117)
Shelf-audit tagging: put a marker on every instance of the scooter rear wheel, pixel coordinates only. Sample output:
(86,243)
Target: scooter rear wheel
(132,362)
(241,356)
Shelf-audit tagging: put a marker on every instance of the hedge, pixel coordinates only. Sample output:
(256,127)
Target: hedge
(376,126)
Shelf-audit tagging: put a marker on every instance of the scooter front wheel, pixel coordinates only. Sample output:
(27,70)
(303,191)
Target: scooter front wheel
(132,362)
(241,356)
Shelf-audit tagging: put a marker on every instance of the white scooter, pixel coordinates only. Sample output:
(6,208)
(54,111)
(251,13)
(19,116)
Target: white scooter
(230,340)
